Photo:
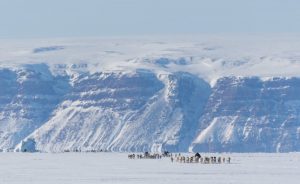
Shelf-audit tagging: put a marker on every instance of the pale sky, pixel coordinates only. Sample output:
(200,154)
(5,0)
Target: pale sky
(89,18)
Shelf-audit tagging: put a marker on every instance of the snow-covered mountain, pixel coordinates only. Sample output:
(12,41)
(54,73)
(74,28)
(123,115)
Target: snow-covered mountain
(197,94)
(248,114)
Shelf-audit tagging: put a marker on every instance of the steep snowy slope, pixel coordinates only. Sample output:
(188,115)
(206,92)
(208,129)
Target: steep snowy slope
(248,114)
(198,94)
(27,98)
(126,112)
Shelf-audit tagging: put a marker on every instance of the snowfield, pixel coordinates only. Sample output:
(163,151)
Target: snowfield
(209,57)
(108,168)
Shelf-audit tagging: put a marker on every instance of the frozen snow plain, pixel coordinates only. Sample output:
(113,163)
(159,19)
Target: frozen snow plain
(92,168)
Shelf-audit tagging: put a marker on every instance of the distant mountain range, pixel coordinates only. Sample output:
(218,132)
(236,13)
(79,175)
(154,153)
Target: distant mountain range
(208,95)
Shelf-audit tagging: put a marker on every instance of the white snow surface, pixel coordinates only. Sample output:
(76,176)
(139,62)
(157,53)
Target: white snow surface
(210,57)
(108,168)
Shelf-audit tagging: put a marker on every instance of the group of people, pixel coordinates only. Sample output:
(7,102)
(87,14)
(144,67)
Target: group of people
(197,158)
(148,155)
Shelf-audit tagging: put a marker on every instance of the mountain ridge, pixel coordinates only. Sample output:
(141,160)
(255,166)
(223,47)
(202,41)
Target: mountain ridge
(124,95)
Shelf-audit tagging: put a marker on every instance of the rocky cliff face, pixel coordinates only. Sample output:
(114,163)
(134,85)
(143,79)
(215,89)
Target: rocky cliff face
(141,111)
(28,97)
(200,94)
(126,112)
(251,115)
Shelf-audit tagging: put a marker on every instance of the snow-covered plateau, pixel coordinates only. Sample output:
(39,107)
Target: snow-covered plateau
(95,168)
(213,94)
